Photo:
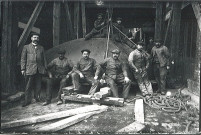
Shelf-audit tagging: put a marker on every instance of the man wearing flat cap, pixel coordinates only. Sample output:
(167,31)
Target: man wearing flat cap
(59,70)
(160,59)
(139,63)
(84,72)
(98,25)
(33,67)
(115,73)
(117,36)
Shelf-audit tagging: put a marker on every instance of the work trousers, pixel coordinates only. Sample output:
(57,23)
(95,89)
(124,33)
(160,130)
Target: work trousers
(92,33)
(160,74)
(62,82)
(113,84)
(76,80)
(33,82)
(143,82)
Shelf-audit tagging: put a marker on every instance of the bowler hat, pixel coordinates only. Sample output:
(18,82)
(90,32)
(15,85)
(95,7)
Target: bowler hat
(61,52)
(86,50)
(116,51)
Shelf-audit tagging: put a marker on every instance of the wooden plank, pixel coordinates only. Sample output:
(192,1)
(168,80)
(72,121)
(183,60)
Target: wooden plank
(23,26)
(134,127)
(76,19)
(52,116)
(83,19)
(139,110)
(56,22)
(90,99)
(104,92)
(30,23)
(69,22)
(158,21)
(197,12)
(67,122)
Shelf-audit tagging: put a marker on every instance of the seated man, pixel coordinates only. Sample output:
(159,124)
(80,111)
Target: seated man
(117,36)
(84,72)
(98,25)
(61,69)
(115,73)
(139,63)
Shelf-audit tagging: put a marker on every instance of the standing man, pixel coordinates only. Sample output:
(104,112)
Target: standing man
(160,58)
(117,36)
(33,66)
(115,73)
(139,63)
(150,45)
(60,75)
(84,71)
(98,25)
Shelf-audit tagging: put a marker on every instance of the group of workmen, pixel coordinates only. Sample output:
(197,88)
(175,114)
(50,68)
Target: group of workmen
(112,70)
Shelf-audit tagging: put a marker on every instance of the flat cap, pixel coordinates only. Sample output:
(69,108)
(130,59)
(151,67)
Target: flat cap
(141,43)
(158,40)
(86,50)
(100,14)
(116,51)
(34,33)
(119,18)
(61,52)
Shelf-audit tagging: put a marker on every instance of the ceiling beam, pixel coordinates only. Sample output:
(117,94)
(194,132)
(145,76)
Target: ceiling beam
(122,5)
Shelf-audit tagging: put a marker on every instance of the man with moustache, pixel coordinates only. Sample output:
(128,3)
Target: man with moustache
(115,73)
(60,70)
(98,25)
(139,63)
(33,67)
(160,59)
(84,72)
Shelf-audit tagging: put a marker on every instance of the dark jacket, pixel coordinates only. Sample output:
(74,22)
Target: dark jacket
(33,59)
(86,67)
(163,55)
(113,68)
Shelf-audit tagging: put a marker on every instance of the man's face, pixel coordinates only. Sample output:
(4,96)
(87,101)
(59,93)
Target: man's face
(85,55)
(115,56)
(61,56)
(119,21)
(139,47)
(158,44)
(100,17)
(35,39)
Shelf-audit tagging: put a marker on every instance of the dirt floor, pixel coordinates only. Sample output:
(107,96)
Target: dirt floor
(115,118)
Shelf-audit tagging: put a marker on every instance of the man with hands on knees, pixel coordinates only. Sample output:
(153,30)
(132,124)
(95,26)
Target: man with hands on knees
(83,72)
(59,71)
(115,73)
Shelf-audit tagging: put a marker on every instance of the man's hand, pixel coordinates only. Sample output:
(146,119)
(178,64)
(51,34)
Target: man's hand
(67,76)
(126,80)
(50,74)
(136,70)
(23,72)
(168,67)
(96,77)
(102,81)
(81,75)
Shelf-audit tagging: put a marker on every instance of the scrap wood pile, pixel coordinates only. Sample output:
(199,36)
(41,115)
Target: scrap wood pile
(70,117)
(101,97)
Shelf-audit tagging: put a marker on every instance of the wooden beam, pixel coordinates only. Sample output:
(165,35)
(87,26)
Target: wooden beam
(30,23)
(67,122)
(56,22)
(139,110)
(159,20)
(197,12)
(168,28)
(76,19)
(52,116)
(69,22)
(104,92)
(134,127)
(23,26)
(175,35)
(122,5)
(83,19)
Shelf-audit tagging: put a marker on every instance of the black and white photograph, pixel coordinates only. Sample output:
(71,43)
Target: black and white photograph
(100,66)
